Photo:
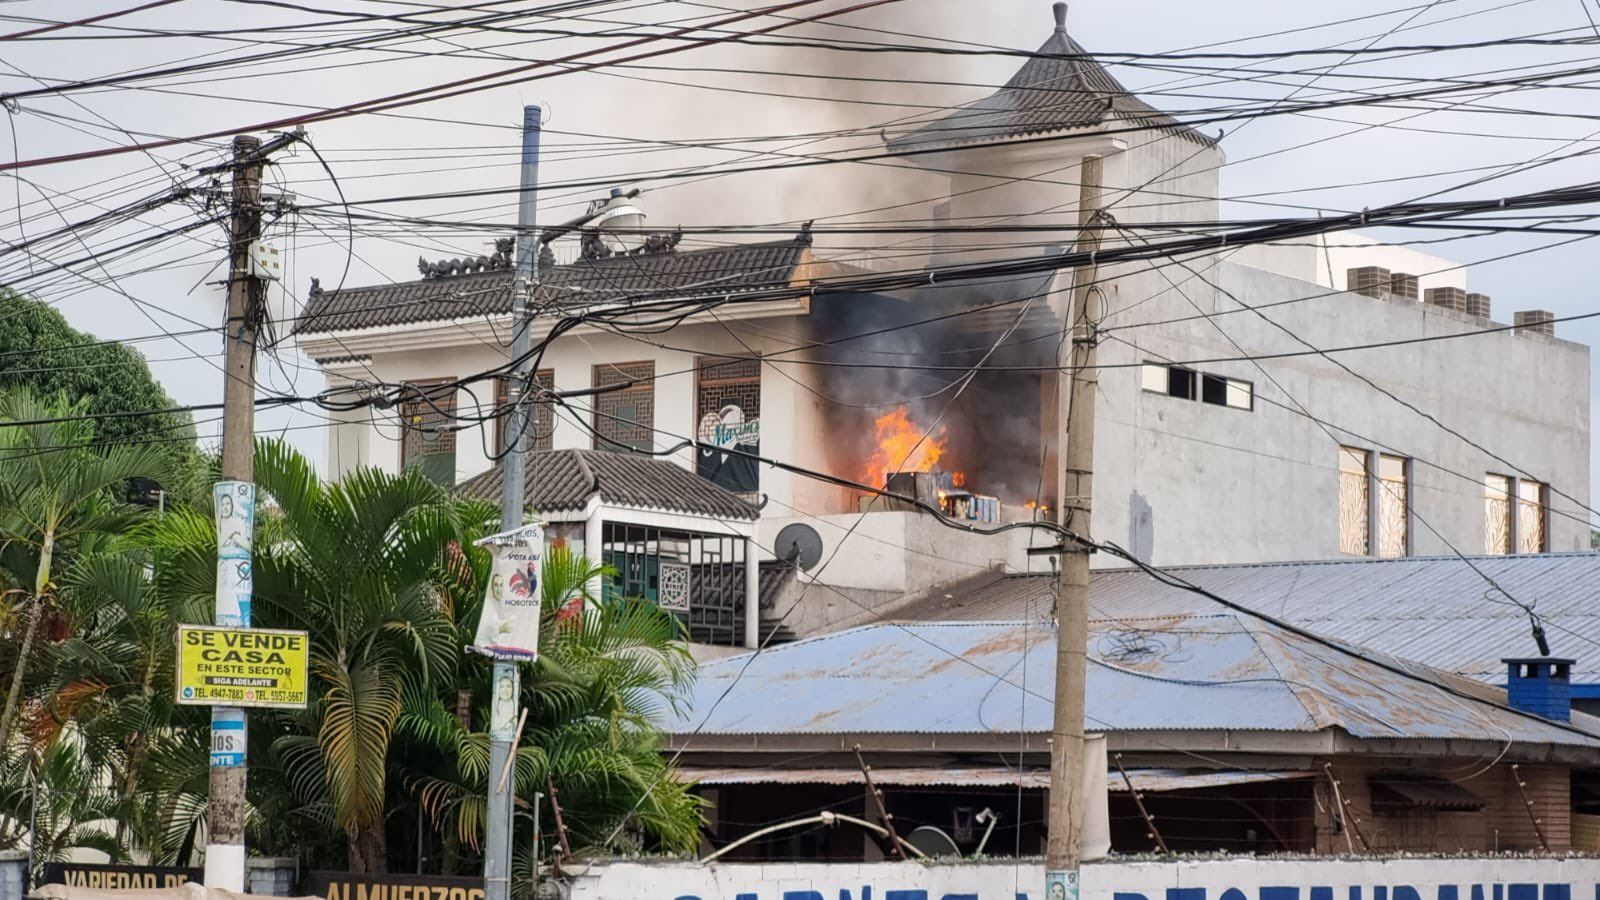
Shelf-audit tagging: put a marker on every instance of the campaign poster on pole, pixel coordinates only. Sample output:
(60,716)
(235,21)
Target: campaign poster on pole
(509,626)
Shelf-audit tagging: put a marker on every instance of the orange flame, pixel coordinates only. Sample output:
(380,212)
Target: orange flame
(902,447)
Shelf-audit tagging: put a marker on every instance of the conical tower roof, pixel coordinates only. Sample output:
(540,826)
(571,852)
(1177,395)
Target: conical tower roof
(1060,88)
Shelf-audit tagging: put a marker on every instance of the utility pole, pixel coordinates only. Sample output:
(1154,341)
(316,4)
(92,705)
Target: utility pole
(1072,591)
(503,704)
(225,862)
(233,500)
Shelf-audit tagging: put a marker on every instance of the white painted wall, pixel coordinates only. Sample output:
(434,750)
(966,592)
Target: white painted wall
(1177,481)
(1326,259)
(1228,879)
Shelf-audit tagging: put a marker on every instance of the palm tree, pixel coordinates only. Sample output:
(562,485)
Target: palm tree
(59,804)
(604,673)
(354,563)
(57,495)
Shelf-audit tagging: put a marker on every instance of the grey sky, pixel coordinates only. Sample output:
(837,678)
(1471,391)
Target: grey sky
(378,156)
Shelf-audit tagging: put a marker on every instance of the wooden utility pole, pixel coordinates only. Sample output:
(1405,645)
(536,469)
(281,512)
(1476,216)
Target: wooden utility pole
(1072,592)
(225,809)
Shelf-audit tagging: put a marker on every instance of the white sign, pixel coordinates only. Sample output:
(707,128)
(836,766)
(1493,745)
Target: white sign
(1242,878)
(229,735)
(509,625)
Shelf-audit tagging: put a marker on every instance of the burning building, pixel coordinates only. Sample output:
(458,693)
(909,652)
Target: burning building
(1212,429)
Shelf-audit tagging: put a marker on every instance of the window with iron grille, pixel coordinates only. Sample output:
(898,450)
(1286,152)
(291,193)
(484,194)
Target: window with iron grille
(541,431)
(728,417)
(1497,530)
(1394,506)
(1355,533)
(625,419)
(428,441)
(1533,502)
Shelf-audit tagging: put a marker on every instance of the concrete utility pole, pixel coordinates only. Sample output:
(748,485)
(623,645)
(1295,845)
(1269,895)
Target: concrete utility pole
(1072,592)
(502,740)
(246,304)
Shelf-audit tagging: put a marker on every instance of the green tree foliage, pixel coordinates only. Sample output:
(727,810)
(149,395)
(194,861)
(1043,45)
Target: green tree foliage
(41,353)
(390,760)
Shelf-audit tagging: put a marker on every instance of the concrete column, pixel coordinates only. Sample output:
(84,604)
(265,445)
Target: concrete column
(273,876)
(593,545)
(752,594)
(13,874)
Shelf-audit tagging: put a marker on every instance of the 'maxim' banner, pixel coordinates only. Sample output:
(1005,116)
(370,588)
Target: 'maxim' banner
(509,626)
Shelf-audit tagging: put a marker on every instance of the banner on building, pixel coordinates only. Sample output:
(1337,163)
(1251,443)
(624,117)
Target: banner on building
(100,877)
(509,625)
(258,667)
(350,886)
(721,433)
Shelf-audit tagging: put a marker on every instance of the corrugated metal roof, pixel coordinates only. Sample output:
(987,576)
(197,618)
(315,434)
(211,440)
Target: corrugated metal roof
(907,776)
(711,271)
(1147,781)
(564,480)
(1156,781)
(1058,89)
(1435,610)
(1184,672)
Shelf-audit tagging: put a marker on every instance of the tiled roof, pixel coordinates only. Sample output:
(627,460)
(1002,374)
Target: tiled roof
(1436,610)
(1224,672)
(710,271)
(1058,89)
(564,480)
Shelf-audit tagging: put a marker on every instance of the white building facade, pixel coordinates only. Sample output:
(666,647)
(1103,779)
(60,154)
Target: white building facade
(1261,404)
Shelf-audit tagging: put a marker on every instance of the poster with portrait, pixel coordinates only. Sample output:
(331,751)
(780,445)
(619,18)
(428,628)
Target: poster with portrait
(721,433)
(234,504)
(509,626)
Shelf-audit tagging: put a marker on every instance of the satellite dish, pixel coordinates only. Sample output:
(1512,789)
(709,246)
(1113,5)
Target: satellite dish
(799,545)
(933,842)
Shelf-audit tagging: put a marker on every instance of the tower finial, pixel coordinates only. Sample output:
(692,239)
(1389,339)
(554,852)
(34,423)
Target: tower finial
(1061,17)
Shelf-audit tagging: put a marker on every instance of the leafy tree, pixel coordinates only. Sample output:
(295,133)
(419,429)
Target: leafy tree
(41,353)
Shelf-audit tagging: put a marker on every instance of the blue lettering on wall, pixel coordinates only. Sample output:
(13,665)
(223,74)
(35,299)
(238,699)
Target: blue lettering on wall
(802,895)
(918,895)
(1282,893)
(1558,892)
(1405,892)
(1524,892)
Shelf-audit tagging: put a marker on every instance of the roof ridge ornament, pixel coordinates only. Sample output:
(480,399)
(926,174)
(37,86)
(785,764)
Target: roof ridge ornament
(1060,10)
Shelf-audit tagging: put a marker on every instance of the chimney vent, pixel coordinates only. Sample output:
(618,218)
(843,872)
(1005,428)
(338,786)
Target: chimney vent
(1373,281)
(1478,305)
(1060,10)
(1404,285)
(1448,297)
(1541,685)
(1536,321)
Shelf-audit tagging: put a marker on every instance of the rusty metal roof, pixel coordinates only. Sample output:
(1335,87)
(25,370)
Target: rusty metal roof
(1435,610)
(1059,88)
(1181,672)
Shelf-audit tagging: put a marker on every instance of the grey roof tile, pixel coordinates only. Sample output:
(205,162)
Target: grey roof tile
(1058,89)
(703,272)
(564,480)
